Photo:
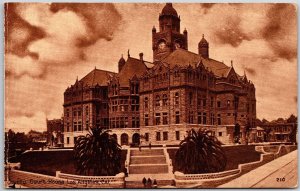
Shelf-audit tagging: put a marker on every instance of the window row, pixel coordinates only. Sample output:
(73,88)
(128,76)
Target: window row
(122,122)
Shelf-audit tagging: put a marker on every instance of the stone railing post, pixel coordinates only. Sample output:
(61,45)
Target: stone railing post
(57,173)
(127,162)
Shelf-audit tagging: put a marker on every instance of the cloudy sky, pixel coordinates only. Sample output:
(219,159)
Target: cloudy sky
(48,45)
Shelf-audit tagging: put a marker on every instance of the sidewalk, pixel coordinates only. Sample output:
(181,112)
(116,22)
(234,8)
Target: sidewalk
(279,173)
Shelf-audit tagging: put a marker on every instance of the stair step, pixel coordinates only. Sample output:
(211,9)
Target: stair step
(146,152)
(157,159)
(148,168)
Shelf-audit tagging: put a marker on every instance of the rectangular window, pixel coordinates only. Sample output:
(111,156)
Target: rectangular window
(146,136)
(157,101)
(165,136)
(177,135)
(67,112)
(219,104)
(212,102)
(220,134)
(133,122)
(165,118)
(219,119)
(79,126)
(75,126)
(228,114)
(191,98)
(146,120)
(137,119)
(157,119)
(68,140)
(191,117)
(87,124)
(158,136)
(87,110)
(165,100)
(79,112)
(74,113)
(177,117)
(199,118)
(68,127)
(75,139)
(204,118)
(212,116)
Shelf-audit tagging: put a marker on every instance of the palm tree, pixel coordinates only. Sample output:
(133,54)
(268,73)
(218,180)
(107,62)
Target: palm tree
(97,154)
(200,152)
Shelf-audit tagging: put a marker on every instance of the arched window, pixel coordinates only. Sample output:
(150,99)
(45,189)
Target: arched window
(165,100)
(157,100)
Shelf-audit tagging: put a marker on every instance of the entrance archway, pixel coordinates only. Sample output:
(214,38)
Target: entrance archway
(115,137)
(136,139)
(124,139)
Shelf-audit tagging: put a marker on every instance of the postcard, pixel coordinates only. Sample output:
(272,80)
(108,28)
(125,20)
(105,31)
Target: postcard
(150,95)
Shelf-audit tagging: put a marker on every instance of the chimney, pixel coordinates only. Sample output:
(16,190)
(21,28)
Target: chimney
(141,56)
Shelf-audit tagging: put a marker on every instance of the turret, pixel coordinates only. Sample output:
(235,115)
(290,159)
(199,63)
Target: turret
(203,48)
(121,63)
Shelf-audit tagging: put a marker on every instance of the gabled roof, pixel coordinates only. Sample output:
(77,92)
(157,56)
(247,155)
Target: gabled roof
(184,58)
(131,68)
(95,77)
(259,128)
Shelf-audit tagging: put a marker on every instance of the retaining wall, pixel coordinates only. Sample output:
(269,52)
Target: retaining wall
(211,179)
(35,180)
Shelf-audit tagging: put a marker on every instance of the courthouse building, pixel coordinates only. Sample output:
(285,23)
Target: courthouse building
(159,101)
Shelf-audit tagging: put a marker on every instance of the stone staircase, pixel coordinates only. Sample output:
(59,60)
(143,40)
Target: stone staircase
(148,163)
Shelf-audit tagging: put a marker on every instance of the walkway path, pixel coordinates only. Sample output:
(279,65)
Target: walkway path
(279,173)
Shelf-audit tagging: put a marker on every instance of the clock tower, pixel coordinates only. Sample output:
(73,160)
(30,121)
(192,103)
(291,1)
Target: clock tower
(168,38)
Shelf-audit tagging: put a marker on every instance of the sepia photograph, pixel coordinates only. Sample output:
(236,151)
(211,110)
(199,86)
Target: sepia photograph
(150,95)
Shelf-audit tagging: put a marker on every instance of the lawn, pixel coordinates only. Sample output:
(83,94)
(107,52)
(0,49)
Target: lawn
(235,155)
(48,162)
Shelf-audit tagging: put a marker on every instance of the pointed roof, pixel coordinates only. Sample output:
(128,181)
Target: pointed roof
(131,68)
(95,77)
(203,41)
(182,57)
(169,10)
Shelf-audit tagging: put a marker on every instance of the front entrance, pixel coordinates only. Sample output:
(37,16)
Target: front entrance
(124,139)
(136,139)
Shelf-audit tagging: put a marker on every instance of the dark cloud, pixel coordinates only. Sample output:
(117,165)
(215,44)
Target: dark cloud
(280,30)
(230,32)
(19,33)
(206,7)
(98,20)
(102,19)
(250,71)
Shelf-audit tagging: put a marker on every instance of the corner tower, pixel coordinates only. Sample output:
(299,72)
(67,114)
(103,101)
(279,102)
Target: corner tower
(203,48)
(168,38)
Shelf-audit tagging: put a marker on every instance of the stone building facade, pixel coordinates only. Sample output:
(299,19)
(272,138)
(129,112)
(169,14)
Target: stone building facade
(157,102)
